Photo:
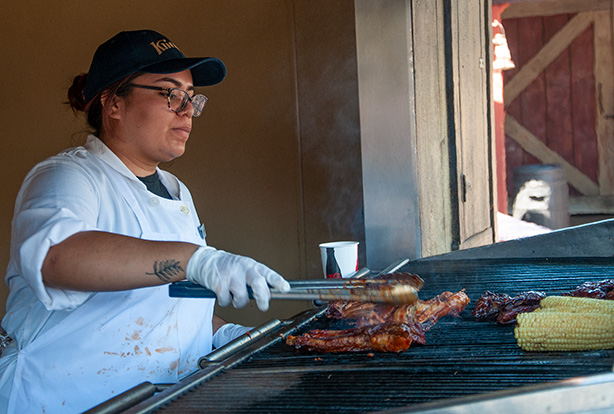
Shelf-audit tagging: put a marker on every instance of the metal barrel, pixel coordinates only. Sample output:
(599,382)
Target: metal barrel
(541,195)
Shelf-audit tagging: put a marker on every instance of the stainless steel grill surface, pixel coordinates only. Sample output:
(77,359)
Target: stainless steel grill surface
(462,358)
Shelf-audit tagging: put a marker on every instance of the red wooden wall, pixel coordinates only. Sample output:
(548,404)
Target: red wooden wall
(559,107)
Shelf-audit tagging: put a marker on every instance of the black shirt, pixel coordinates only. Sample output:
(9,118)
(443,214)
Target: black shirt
(154,185)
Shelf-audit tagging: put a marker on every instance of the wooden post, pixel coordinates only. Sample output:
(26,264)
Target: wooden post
(499,113)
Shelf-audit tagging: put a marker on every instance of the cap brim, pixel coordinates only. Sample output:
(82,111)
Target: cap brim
(205,71)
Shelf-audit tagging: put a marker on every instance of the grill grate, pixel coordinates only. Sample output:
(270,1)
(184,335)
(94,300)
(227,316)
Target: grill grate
(462,357)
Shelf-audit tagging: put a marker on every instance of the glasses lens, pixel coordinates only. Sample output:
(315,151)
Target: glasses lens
(198,103)
(177,99)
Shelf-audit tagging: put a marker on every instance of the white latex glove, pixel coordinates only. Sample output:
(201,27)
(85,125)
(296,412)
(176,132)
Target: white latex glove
(228,275)
(227,333)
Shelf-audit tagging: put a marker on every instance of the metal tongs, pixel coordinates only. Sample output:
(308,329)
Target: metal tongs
(397,291)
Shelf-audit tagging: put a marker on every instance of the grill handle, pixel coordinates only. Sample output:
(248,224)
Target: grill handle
(239,343)
(128,398)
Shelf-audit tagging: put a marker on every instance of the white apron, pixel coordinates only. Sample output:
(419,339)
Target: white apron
(116,340)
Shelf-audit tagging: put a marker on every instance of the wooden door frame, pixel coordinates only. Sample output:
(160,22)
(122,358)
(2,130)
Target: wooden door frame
(415,136)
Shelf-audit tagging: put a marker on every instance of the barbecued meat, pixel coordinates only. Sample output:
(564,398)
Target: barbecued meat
(524,302)
(504,308)
(394,288)
(426,312)
(388,337)
(410,279)
(597,290)
(489,305)
(380,327)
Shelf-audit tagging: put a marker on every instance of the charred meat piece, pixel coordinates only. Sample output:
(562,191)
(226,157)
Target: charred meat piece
(394,289)
(504,308)
(489,305)
(426,312)
(411,279)
(380,327)
(524,302)
(369,313)
(598,290)
(388,337)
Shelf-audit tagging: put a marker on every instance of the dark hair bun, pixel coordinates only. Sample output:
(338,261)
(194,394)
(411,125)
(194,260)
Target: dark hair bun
(75,93)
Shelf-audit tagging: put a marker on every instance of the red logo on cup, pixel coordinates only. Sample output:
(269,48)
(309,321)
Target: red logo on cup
(332,267)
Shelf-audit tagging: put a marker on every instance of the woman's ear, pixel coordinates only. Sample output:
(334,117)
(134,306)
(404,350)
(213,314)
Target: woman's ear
(112,104)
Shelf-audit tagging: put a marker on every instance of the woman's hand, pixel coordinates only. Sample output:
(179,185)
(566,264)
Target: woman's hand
(229,275)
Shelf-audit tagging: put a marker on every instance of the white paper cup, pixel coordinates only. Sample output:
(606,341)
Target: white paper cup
(339,259)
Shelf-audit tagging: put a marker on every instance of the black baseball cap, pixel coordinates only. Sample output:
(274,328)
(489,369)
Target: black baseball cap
(145,51)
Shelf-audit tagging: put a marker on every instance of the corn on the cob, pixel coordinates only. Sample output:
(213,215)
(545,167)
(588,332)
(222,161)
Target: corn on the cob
(577,304)
(567,324)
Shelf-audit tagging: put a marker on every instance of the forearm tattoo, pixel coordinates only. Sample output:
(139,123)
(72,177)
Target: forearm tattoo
(166,269)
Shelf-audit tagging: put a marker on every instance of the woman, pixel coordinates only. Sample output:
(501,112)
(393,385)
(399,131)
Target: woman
(100,230)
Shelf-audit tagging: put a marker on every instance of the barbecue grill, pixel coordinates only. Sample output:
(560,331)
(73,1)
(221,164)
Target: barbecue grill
(466,366)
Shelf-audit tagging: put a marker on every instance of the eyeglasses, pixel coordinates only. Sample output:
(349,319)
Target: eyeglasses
(178,98)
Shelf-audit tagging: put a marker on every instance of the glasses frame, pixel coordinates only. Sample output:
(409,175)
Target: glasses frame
(169,92)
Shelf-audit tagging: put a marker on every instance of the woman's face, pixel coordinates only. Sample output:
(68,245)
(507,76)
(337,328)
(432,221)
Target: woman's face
(145,131)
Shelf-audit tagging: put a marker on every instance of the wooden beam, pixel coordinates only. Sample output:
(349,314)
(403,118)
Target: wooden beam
(551,50)
(553,7)
(432,154)
(604,83)
(531,144)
